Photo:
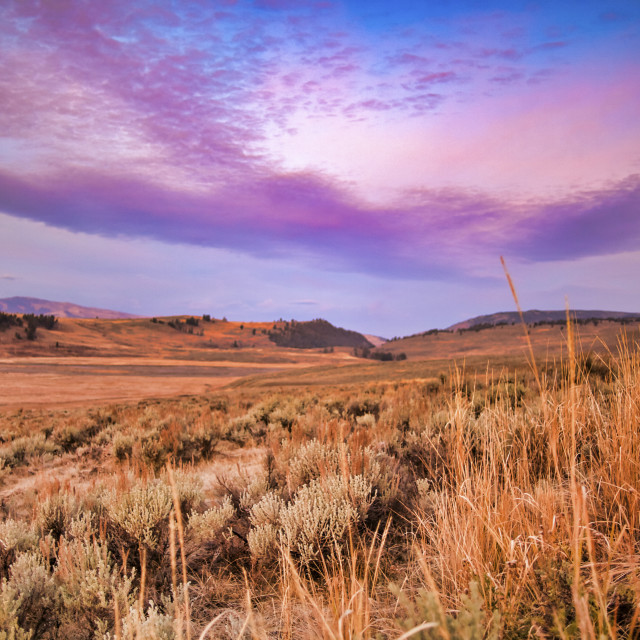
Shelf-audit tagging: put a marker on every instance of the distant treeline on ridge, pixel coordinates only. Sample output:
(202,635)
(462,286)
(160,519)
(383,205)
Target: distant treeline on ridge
(29,321)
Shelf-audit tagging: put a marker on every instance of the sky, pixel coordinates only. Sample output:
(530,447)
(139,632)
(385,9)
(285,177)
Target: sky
(363,161)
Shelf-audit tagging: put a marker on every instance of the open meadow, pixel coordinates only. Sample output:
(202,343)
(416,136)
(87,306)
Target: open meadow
(82,361)
(153,487)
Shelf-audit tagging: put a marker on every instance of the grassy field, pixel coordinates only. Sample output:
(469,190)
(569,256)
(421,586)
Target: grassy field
(549,342)
(483,498)
(83,361)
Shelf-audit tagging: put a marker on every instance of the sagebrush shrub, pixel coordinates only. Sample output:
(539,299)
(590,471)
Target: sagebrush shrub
(208,525)
(29,598)
(265,521)
(16,536)
(141,511)
(89,582)
(54,514)
(151,452)
(319,516)
(284,416)
(469,623)
(256,488)
(313,459)
(263,542)
(368,421)
(151,624)
(267,510)
(122,446)
(18,451)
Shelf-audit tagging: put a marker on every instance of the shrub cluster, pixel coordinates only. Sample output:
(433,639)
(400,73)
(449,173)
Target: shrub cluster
(452,508)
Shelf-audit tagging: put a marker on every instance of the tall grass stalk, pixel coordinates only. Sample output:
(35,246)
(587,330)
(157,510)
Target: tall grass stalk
(178,516)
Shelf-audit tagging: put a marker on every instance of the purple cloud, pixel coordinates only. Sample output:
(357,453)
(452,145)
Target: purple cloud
(436,78)
(550,46)
(504,54)
(507,76)
(611,16)
(598,223)
(279,214)
(150,120)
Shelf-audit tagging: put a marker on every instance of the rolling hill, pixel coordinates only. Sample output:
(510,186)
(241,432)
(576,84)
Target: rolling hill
(203,338)
(317,334)
(535,316)
(38,306)
(80,360)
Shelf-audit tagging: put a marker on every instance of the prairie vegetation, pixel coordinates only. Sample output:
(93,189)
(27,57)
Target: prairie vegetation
(495,504)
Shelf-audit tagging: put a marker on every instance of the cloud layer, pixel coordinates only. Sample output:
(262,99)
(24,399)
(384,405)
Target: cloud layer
(431,235)
(409,142)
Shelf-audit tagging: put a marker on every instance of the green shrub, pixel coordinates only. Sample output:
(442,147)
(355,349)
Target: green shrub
(142,512)
(54,514)
(362,406)
(265,520)
(209,525)
(69,437)
(15,537)
(122,446)
(150,625)
(152,453)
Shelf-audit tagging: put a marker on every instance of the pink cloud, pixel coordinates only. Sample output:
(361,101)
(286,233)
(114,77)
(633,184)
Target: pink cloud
(142,121)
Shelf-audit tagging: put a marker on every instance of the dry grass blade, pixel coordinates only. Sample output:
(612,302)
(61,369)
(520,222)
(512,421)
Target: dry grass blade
(210,626)
(178,512)
(534,366)
(421,627)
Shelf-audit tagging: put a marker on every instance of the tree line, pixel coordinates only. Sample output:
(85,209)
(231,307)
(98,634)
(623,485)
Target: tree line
(30,322)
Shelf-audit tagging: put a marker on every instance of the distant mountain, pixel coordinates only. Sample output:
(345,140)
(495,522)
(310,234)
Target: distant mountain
(58,309)
(376,341)
(534,315)
(316,334)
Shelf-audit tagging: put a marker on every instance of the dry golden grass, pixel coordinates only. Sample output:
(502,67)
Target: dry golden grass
(85,361)
(549,342)
(470,503)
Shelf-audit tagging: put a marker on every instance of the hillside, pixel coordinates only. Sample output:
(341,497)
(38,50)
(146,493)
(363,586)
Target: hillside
(37,306)
(76,360)
(200,338)
(549,340)
(316,334)
(534,316)
(80,360)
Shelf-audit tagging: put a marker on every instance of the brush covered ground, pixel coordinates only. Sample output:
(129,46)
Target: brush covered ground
(410,500)
(83,360)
